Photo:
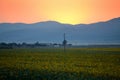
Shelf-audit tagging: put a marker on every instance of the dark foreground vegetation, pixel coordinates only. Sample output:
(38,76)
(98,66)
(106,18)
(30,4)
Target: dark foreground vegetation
(54,64)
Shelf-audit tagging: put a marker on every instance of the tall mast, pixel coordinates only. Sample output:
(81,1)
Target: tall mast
(64,42)
(64,36)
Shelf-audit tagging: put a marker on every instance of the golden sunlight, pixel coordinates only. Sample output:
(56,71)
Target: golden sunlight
(64,11)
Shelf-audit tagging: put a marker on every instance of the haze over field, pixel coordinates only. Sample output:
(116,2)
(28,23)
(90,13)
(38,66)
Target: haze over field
(50,32)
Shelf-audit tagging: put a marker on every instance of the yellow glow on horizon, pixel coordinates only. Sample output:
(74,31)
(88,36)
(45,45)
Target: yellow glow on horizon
(68,12)
(64,11)
(66,17)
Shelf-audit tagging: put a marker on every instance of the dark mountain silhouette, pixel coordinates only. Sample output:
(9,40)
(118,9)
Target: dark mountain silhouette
(51,31)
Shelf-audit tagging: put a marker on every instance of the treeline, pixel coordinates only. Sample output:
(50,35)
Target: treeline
(4,45)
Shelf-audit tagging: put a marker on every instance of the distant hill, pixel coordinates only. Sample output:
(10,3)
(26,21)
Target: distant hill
(51,31)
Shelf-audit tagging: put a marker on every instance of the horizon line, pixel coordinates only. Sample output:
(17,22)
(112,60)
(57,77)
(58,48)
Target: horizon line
(56,22)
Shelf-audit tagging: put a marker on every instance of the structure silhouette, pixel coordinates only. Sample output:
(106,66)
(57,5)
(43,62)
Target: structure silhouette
(64,43)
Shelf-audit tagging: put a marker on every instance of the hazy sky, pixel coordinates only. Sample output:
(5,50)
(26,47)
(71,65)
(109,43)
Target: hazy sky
(64,11)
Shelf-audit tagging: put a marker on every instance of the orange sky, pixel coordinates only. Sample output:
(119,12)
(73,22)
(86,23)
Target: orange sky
(64,11)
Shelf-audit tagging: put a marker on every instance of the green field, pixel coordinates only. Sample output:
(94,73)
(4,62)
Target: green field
(54,64)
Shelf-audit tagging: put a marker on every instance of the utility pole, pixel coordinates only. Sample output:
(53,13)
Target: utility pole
(64,42)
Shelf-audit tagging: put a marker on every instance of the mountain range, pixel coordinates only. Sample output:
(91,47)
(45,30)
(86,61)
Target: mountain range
(107,32)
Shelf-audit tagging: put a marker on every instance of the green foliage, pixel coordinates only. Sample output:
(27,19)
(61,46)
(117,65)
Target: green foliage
(54,64)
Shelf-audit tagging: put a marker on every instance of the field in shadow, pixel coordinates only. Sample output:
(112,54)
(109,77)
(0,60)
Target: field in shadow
(26,74)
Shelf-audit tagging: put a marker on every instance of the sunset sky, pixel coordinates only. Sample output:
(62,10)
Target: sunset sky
(64,11)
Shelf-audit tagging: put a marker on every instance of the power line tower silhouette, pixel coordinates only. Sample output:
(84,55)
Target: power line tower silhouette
(64,42)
